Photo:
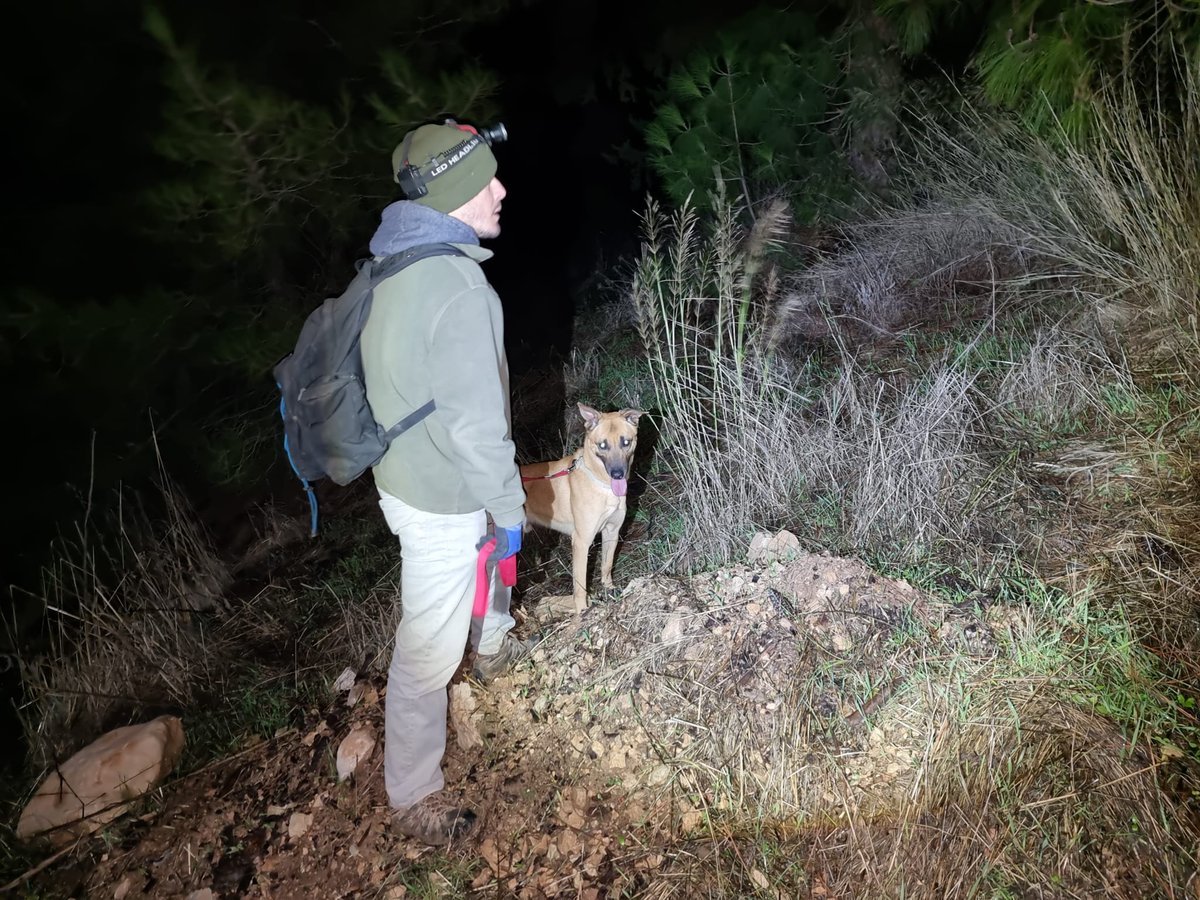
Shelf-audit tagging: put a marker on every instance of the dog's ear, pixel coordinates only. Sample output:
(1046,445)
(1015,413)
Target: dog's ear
(591,418)
(632,415)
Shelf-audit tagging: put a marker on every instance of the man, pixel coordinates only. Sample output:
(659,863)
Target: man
(436,331)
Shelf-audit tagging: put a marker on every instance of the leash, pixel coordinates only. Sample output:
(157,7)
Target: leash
(508,576)
(567,471)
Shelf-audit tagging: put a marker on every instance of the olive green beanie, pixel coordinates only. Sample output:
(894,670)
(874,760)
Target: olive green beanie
(462,161)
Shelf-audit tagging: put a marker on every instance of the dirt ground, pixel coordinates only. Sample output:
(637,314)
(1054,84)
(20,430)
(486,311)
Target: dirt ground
(633,727)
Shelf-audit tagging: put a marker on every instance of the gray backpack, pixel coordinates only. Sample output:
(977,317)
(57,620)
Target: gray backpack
(328,427)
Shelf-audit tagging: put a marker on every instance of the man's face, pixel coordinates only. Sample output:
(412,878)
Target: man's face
(482,212)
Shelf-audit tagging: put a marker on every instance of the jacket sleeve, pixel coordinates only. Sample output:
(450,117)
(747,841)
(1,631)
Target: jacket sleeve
(472,401)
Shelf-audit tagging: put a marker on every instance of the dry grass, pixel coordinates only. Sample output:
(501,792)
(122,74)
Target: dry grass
(1043,800)
(124,627)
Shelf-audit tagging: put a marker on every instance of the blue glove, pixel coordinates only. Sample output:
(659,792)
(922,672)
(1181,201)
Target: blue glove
(508,542)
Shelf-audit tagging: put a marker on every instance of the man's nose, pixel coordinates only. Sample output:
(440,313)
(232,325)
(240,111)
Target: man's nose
(500,191)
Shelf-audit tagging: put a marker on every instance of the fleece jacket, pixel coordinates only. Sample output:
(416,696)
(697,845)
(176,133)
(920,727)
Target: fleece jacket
(436,331)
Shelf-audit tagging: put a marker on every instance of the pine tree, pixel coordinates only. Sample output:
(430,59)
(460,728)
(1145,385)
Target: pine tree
(754,111)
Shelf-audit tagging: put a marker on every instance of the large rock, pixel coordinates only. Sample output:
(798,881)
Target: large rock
(96,785)
(765,548)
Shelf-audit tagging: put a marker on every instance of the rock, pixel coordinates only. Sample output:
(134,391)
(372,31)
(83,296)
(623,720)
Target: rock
(660,774)
(758,548)
(672,632)
(96,785)
(202,894)
(765,549)
(298,825)
(345,681)
(462,705)
(615,759)
(355,748)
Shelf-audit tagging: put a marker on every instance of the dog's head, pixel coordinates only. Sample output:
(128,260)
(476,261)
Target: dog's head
(611,439)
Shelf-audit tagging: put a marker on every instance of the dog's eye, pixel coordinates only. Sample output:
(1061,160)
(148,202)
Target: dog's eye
(624,442)
(603,445)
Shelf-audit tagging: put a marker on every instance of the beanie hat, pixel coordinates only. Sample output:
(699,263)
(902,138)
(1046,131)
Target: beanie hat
(454,164)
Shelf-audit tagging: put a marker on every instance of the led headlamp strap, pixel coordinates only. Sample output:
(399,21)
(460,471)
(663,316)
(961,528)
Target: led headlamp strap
(412,178)
(409,176)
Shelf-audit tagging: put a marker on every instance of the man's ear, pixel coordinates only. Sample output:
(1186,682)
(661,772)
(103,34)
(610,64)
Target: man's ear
(591,418)
(632,415)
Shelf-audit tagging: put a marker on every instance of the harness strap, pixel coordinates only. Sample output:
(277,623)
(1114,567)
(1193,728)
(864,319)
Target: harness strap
(596,478)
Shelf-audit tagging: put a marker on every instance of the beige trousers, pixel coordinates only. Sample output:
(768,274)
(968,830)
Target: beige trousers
(437,590)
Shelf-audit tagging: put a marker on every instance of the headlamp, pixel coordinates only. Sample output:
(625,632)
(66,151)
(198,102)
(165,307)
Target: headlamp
(413,179)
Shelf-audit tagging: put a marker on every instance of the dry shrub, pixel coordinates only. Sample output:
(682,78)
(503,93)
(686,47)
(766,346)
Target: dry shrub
(126,626)
(907,458)
(761,440)
(1062,766)
(903,268)
(1059,378)
(368,626)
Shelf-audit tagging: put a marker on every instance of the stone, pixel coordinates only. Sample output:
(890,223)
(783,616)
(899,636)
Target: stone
(97,784)
(766,548)
(672,632)
(462,714)
(298,825)
(355,748)
(345,681)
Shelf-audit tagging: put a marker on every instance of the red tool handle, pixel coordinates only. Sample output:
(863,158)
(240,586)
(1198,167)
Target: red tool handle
(508,575)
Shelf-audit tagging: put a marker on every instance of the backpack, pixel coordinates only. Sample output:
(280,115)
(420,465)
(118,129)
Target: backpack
(328,427)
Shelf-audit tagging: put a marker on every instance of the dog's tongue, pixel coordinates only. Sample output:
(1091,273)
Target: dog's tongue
(619,486)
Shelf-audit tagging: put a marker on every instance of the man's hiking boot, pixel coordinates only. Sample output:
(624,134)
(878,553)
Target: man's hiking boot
(436,819)
(488,668)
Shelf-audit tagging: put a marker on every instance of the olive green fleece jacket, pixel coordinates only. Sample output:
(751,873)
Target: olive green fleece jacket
(436,331)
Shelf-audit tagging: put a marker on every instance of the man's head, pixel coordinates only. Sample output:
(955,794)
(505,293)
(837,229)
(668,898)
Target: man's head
(455,170)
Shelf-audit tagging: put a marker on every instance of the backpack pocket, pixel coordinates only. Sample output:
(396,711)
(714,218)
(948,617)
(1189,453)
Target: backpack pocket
(338,427)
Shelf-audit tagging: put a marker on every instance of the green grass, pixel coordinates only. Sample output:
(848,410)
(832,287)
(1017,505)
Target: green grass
(435,876)
(257,705)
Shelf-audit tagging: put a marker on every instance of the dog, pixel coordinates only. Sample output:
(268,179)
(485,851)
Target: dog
(584,494)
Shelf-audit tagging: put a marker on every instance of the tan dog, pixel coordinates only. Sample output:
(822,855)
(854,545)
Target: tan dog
(584,494)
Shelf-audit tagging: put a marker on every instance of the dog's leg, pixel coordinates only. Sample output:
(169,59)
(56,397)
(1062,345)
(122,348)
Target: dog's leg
(581,542)
(608,549)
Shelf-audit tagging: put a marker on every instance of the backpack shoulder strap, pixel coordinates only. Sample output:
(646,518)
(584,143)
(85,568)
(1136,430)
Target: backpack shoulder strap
(390,265)
(386,268)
